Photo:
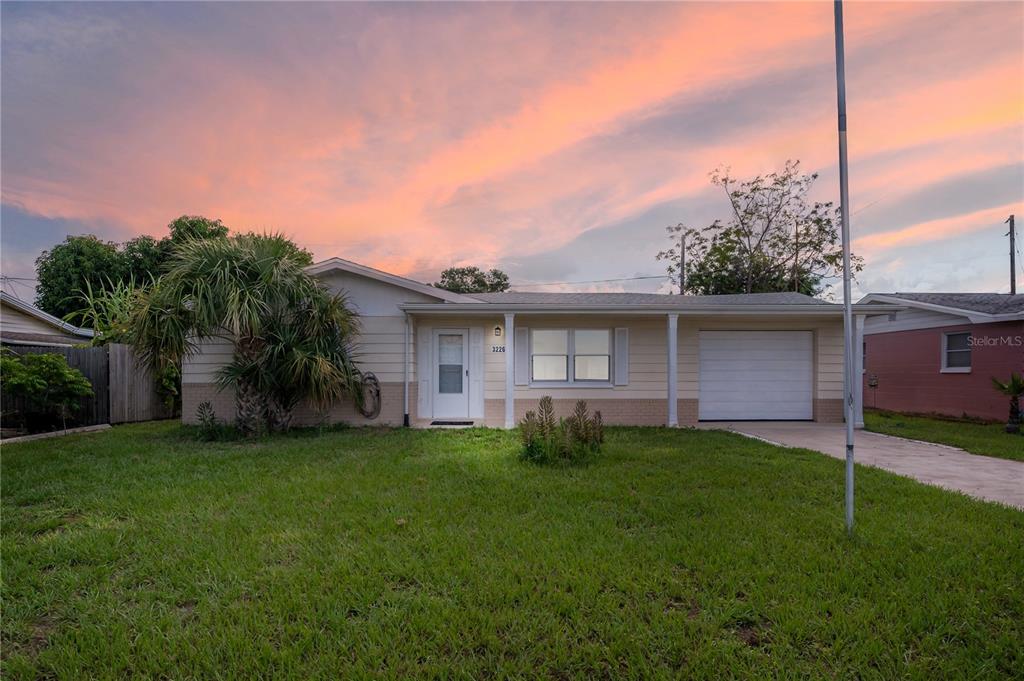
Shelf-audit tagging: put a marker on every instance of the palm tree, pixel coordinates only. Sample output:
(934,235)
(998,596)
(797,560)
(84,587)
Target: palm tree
(291,337)
(1014,389)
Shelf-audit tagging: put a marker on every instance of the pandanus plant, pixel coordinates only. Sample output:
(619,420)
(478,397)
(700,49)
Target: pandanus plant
(291,337)
(1014,389)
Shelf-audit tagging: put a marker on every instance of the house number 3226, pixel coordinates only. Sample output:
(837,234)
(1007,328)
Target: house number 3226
(497,348)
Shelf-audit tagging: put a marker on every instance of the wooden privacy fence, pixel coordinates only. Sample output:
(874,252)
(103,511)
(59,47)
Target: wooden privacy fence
(133,395)
(124,389)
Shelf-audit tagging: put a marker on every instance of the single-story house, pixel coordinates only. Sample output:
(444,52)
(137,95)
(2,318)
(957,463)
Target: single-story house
(25,324)
(939,353)
(639,358)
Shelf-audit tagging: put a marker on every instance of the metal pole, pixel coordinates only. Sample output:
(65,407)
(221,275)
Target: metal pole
(682,262)
(405,371)
(1013,258)
(844,208)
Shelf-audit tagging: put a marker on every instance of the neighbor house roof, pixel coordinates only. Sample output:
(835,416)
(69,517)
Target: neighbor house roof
(978,307)
(45,317)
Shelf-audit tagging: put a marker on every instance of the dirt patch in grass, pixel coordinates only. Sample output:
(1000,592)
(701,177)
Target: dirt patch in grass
(690,607)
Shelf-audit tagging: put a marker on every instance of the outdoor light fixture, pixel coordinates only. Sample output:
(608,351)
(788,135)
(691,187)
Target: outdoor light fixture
(497,330)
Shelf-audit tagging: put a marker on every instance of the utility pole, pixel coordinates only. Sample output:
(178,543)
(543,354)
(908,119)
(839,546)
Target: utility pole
(1013,257)
(682,261)
(844,207)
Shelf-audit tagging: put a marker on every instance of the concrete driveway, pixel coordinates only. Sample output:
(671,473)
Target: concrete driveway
(983,477)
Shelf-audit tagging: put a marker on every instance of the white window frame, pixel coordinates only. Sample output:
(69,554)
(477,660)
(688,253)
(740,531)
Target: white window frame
(570,369)
(945,353)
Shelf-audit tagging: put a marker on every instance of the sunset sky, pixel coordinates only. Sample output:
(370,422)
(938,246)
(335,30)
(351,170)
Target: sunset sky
(555,141)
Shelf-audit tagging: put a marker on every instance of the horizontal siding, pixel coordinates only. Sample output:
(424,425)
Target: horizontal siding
(16,321)
(210,356)
(378,349)
(647,362)
(381,343)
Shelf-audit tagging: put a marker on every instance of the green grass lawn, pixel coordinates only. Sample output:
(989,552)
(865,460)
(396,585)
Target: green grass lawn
(388,554)
(989,439)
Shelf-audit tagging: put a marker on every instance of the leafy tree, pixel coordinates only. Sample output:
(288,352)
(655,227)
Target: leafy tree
(1014,389)
(77,262)
(195,227)
(143,258)
(83,262)
(291,337)
(45,384)
(473,280)
(775,239)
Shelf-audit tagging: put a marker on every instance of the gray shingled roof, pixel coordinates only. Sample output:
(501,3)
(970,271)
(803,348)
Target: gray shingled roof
(987,303)
(514,298)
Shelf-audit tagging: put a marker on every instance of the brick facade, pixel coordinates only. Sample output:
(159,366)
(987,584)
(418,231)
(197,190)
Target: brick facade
(647,412)
(903,371)
(391,412)
(828,411)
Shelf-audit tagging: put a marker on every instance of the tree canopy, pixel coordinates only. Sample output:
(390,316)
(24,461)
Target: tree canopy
(73,265)
(473,280)
(775,239)
(83,266)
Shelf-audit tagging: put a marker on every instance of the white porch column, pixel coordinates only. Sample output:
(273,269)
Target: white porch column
(858,372)
(510,370)
(405,372)
(673,371)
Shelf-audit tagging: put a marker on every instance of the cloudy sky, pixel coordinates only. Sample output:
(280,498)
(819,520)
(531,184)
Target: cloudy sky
(555,141)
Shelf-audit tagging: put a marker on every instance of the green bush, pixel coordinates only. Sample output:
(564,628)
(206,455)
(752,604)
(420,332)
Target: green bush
(571,440)
(46,389)
(209,428)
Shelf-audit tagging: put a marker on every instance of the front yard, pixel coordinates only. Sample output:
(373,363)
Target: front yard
(374,553)
(988,439)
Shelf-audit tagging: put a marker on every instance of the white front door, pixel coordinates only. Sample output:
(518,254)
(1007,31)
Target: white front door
(451,373)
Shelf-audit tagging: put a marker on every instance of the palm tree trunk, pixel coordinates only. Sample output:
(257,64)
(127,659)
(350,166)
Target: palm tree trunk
(251,409)
(250,402)
(279,417)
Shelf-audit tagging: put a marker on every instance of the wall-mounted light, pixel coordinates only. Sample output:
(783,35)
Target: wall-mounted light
(497,331)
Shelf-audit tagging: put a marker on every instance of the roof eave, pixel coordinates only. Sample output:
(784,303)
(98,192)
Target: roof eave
(46,317)
(342,265)
(973,316)
(553,308)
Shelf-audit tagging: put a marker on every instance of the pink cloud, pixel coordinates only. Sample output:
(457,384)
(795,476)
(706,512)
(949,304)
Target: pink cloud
(507,130)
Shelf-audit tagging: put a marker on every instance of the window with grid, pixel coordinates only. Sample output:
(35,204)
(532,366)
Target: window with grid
(570,355)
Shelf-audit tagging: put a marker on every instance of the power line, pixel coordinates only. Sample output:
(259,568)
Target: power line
(592,281)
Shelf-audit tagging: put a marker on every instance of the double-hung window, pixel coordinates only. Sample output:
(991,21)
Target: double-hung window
(956,352)
(570,355)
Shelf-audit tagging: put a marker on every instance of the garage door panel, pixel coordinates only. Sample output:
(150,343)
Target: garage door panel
(755,375)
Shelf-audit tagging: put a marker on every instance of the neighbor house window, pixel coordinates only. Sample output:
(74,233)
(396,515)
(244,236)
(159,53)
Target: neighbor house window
(571,355)
(956,352)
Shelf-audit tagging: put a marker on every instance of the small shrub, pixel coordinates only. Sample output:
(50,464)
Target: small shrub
(571,440)
(47,390)
(209,427)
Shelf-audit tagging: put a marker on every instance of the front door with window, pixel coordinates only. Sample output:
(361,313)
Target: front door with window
(451,373)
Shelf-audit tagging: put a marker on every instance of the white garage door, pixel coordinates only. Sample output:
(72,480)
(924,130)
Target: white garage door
(756,375)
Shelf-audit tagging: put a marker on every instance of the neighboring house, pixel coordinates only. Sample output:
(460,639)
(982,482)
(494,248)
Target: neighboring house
(940,353)
(644,359)
(24,324)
